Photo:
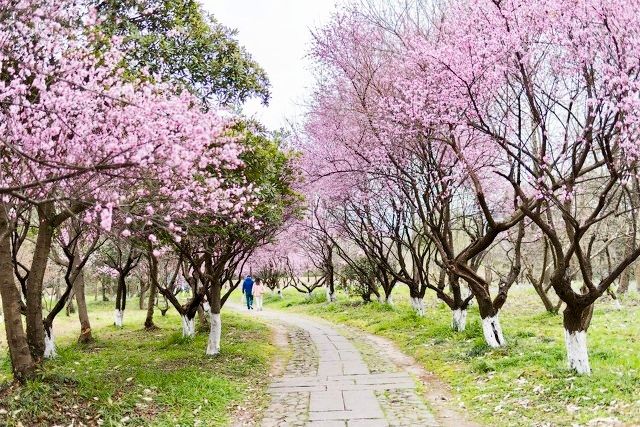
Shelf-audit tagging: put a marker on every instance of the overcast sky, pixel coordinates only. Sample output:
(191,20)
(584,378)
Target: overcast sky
(276,33)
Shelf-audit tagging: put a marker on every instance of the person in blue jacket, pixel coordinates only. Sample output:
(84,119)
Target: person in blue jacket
(247,287)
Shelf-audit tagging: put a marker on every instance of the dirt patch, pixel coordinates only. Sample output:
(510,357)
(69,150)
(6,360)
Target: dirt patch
(20,405)
(251,415)
(437,393)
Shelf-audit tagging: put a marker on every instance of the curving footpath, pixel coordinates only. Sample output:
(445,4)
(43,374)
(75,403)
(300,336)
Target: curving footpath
(331,380)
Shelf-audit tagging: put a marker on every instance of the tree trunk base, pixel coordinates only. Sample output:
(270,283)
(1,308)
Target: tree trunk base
(49,345)
(213,345)
(86,337)
(577,354)
(150,326)
(417,304)
(459,320)
(118,316)
(188,327)
(493,332)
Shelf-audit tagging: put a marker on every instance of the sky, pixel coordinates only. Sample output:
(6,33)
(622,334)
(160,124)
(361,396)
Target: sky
(277,34)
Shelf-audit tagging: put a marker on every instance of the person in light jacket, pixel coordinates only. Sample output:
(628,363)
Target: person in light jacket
(258,291)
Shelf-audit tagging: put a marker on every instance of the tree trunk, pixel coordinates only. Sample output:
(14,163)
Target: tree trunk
(22,363)
(491,328)
(488,274)
(49,343)
(417,303)
(388,298)
(70,309)
(576,322)
(637,275)
(188,326)
(143,291)
(35,327)
(85,325)
(121,301)
(215,332)
(544,296)
(148,322)
(459,320)
(105,298)
(331,295)
(331,289)
(625,277)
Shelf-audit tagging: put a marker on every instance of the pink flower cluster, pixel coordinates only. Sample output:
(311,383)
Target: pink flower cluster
(75,131)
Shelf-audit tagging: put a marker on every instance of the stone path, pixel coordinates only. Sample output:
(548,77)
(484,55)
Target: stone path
(327,383)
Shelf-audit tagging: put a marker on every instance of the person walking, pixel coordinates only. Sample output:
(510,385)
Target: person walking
(247,290)
(258,291)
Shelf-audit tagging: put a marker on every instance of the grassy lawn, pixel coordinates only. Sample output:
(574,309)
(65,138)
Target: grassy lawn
(140,378)
(526,383)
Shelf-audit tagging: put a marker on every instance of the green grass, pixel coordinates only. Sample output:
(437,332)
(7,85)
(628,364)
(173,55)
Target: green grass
(526,383)
(143,378)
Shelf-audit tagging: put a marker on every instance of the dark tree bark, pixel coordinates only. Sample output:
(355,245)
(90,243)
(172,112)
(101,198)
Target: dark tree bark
(86,336)
(625,277)
(148,322)
(121,300)
(35,328)
(105,298)
(22,364)
(124,261)
(168,290)
(331,289)
(143,290)
(71,308)
(542,283)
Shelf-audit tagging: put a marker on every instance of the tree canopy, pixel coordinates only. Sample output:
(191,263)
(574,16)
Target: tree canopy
(177,41)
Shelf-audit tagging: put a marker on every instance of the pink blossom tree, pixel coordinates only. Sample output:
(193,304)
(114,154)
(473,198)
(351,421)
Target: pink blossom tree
(531,110)
(77,139)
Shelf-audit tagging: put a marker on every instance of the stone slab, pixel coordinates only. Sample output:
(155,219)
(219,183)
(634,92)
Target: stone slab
(354,368)
(326,401)
(368,423)
(364,402)
(298,389)
(338,415)
(334,423)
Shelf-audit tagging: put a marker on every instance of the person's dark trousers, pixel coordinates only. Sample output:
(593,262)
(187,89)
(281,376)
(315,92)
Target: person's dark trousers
(249,300)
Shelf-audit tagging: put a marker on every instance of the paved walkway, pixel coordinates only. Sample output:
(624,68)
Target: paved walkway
(328,382)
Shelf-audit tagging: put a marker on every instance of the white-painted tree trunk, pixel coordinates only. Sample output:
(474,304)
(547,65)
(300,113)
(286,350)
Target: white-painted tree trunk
(331,296)
(206,307)
(492,331)
(417,304)
(459,320)
(213,346)
(118,316)
(188,327)
(577,354)
(616,304)
(49,345)
(389,300)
